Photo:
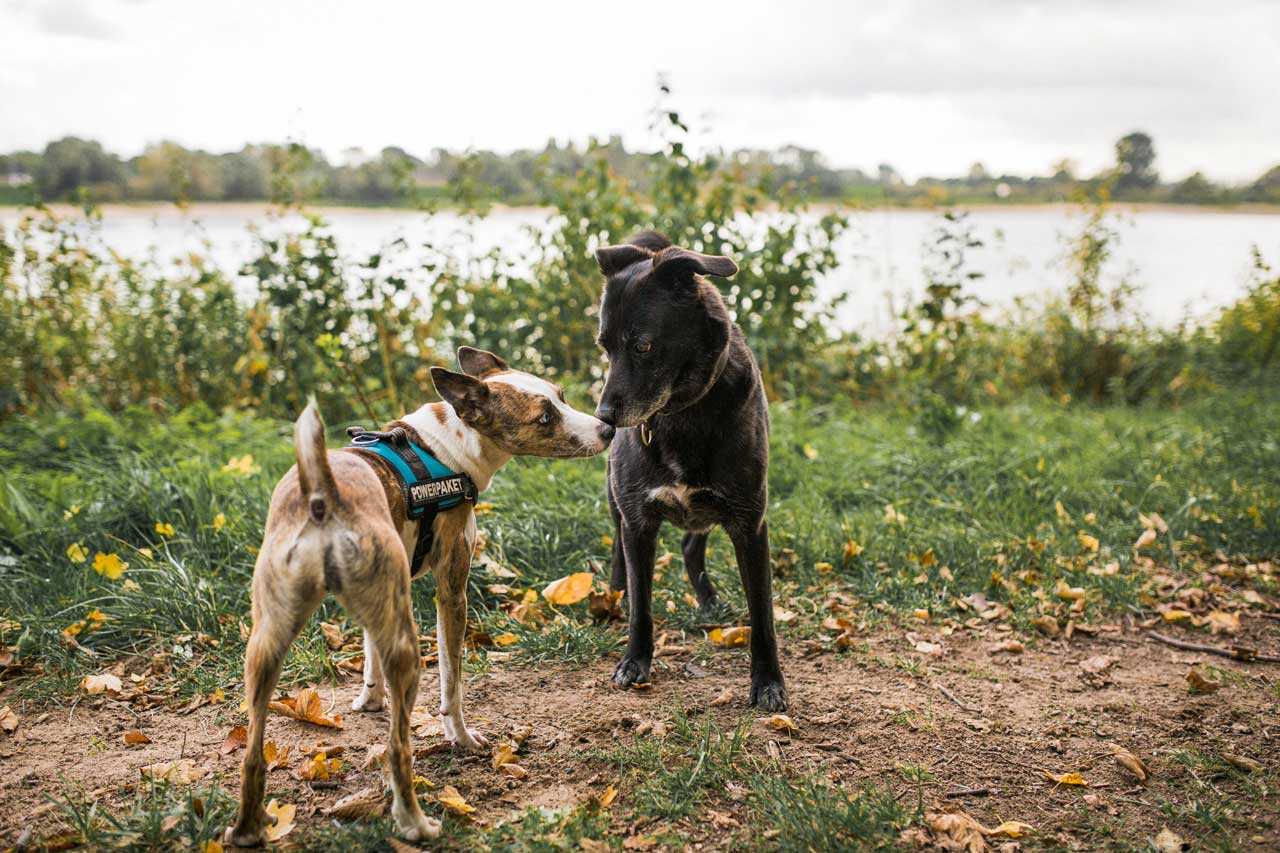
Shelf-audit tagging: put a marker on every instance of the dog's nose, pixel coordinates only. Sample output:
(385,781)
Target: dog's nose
(607,414)
(606,431)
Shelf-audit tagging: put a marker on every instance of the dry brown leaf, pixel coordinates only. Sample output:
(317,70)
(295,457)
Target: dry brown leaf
(1012,829)
(320,768)
(1067,591)
(305,705)
(725,697)
(1222,622)
(332,636)
(1132,763)
(780,723)
(570,589)
(1200,683)
(363,804)
(1240,762)
(8,719)
(183,772)
(503,753)
(1011,646)
(284,814)
(104,683)
(136,737)
(957,831)
(237,738)
(1046,625)
(1148,536)
(515,771)
(926,648)
(1098,664)
(275,757)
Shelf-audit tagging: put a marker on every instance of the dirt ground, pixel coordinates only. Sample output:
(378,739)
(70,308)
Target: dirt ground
(989,722)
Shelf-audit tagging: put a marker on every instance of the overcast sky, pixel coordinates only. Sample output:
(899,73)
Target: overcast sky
(927,86)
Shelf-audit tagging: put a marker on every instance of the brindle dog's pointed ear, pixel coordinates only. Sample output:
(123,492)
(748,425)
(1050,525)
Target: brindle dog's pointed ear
(479,363)
(614,258)
(675,263)
(468,396)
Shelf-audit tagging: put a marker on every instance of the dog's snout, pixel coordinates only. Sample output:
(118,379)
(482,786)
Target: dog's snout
(606,430)
(605,412)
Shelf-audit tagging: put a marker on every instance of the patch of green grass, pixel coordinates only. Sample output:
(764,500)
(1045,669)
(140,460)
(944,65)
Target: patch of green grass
(808,814)
(161,817)
(563,640)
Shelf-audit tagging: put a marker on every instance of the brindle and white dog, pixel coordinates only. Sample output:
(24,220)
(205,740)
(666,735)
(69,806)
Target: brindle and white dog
(337,524)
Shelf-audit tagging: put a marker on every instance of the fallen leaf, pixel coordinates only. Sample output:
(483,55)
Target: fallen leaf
(515,771)
(780,723)
(1072,778)
(1132,763)
(284,814)
(1098,664)
(1199,683)
(782,616)
(725,697)
(77,553)
(332,636)
(182,772)
(1089,543)
(1222,622)
(927,648)
(1065,590)
(135,738)
(1240,762)
(8,719)
(1012,829)
(275,757)
(363,804)
(453,801)
(104,683)
(237,738)
(1148,536)
(1168,841)
(736,636)
(305,705)
(320,768)
(503,753)
(851,550)
(505,639)
(570,589)
(1012,646)
(211,845)
(1154,521)
(1047,625)
(110,566)
(957,831)
(605,798)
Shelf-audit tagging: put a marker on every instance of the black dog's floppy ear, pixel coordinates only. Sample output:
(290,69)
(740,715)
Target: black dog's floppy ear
(468,395)
(479,363)
(675,262)
(614,258)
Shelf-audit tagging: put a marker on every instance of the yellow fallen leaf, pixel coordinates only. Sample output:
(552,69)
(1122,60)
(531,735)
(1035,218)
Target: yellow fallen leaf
(1065,590)
(822,567)
(275,757)
(606,798)
(1148,536)
(928,559)
(570,589)
(852,549)
(242,465)
(1072,778)
(892,516)
(1222,622)
(810,452)
(104,683)
(606,540)
(921,613)
(1176,615)
(783,616)
(1089,543)
(77,553)
(780,723)
(503,753)
(736,636)
(110,566)
(1012,829)
(506,639)
(136,737)
(1154,521)
(164,529)
(219,521)
(453,801)
(284,814)
(483,508)
(320,768)
(211,845)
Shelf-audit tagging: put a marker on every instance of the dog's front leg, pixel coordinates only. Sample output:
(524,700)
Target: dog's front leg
(372,696)
(751,547)
(451,629)
(638,543)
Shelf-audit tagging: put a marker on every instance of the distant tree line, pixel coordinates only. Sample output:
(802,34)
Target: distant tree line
(74,169)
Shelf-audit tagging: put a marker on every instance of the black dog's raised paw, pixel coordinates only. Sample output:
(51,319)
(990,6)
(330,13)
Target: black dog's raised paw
(769,696)
(630,671)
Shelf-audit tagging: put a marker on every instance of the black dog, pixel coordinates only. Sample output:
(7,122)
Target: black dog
(681,374)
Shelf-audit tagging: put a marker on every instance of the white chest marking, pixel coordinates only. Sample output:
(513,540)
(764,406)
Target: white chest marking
(677,494)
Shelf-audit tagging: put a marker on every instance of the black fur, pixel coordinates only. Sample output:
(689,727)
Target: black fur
(680,372)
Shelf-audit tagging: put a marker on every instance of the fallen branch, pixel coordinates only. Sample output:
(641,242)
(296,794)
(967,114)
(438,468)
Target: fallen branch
(968,792)
(1235,652)
(953,698)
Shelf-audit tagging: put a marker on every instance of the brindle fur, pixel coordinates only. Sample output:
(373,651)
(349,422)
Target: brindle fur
(337,525)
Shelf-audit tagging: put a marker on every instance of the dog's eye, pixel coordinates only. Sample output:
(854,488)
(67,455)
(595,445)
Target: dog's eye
(643,346)
(545,419)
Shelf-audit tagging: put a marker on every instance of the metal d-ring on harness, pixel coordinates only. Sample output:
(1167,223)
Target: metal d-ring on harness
(429,485)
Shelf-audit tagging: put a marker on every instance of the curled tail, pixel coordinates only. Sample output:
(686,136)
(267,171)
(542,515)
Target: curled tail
(315,478)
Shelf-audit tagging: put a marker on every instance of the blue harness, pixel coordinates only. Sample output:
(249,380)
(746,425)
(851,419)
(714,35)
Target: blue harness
(428,484)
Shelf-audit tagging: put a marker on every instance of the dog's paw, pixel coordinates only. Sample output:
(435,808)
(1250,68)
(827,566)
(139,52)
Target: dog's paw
(630,671)
(769,696)
(369,700)
(418,827)
(469,740)
(242,838)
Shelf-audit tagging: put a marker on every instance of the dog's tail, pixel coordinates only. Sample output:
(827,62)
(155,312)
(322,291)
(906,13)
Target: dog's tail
(315,478)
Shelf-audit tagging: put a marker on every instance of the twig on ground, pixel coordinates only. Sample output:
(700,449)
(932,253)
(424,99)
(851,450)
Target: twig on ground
(1235,652)
(945,692)
(969,792)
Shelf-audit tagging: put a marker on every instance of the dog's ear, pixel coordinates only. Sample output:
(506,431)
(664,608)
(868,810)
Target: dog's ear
(675,263)
(468,395)
(479,363)
(614,258)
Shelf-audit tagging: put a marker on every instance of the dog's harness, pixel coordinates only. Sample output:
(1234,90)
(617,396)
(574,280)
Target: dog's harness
(428,484)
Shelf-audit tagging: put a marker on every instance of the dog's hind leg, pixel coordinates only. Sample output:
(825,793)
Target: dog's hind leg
(371,696)
(752,550)
(694,548)
(275,627)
